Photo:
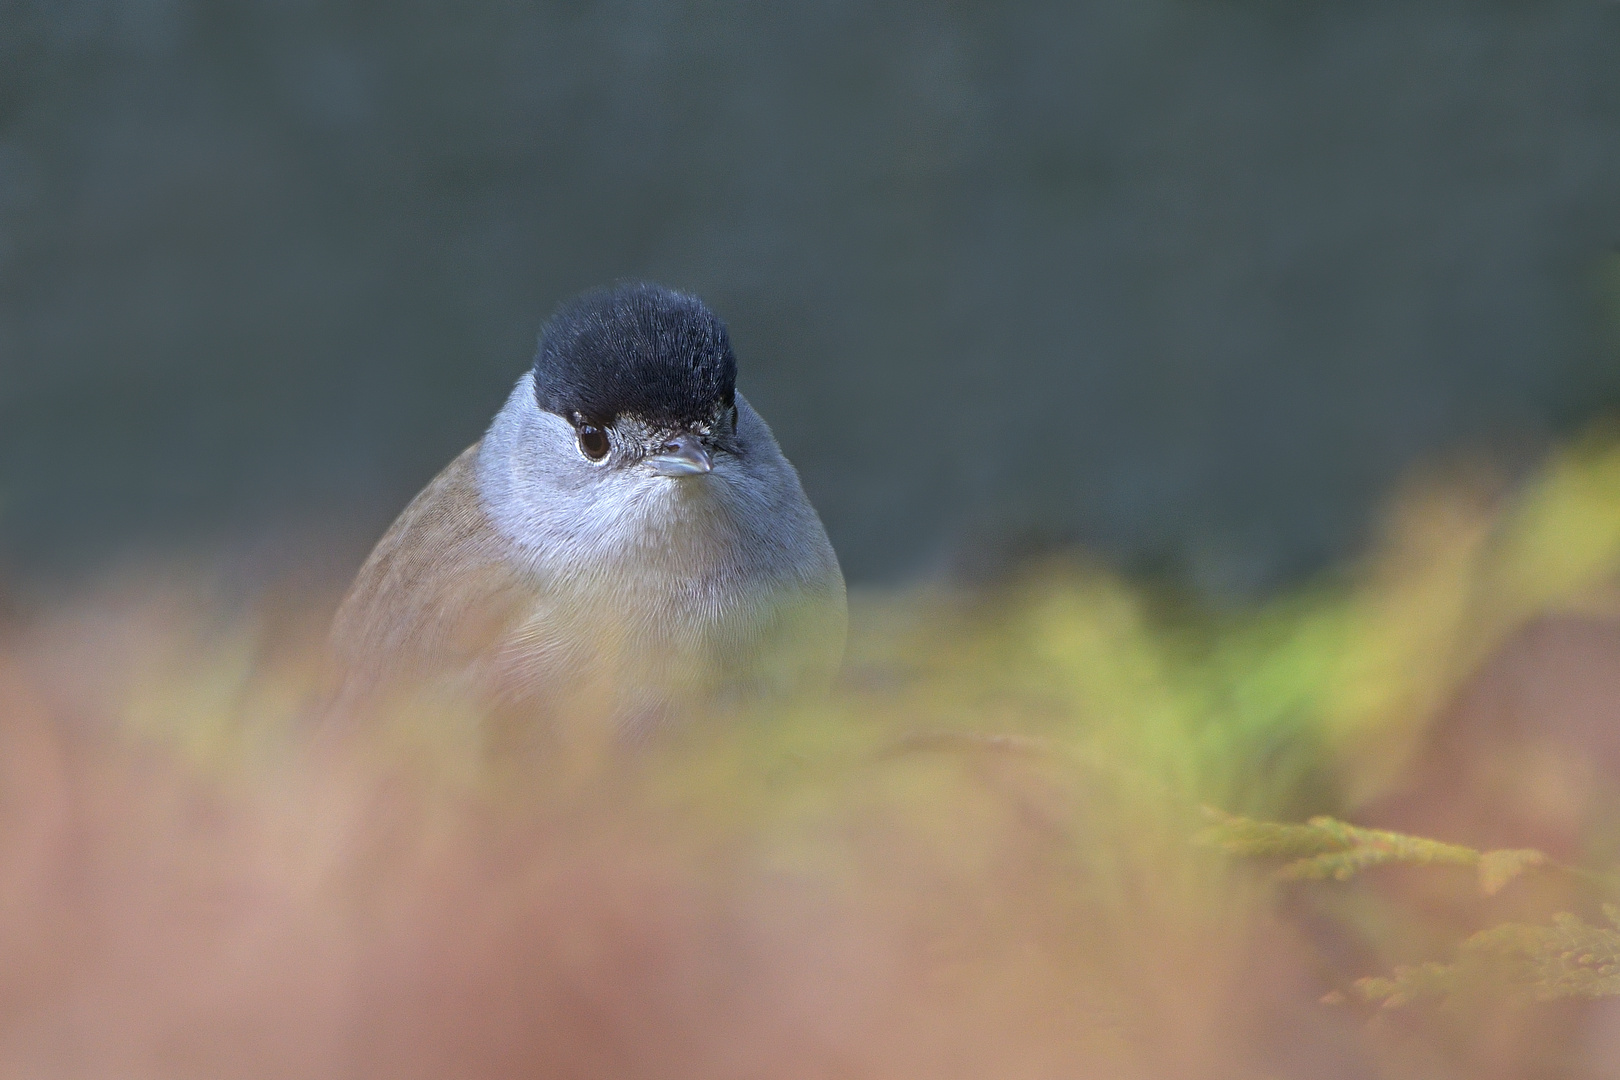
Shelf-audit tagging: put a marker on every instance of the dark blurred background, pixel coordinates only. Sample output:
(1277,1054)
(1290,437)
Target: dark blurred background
(1190,282)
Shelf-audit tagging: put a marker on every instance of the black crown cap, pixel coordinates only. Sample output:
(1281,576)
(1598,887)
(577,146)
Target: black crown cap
(636,349)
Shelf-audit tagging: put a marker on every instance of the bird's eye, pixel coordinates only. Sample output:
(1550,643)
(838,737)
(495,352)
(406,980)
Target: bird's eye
(593,442)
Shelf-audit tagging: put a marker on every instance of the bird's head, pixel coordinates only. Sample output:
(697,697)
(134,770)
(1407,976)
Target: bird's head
(645,379)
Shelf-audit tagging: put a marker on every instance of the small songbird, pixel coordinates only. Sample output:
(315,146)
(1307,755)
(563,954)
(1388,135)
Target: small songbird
(626,541)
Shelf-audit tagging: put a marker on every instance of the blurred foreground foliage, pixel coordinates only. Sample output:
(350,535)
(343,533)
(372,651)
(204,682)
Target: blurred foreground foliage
(1569,958)
(1326,848)
(1034,757)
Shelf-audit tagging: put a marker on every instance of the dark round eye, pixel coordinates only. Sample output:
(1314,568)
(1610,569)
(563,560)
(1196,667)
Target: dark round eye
(593,442)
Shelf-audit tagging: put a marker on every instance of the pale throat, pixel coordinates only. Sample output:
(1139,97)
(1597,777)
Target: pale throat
(569,522)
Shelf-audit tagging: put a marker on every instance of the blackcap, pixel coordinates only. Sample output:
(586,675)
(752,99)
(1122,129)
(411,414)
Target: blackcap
(626,542)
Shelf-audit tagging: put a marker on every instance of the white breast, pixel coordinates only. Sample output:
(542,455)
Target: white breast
(650,592)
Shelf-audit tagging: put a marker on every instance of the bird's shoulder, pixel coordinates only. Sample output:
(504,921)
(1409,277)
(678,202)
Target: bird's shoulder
(440,585)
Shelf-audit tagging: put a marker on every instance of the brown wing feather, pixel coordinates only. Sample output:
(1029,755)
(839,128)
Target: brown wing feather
(437,591)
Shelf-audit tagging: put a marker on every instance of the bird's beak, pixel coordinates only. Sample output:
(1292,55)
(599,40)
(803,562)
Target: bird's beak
(681,456)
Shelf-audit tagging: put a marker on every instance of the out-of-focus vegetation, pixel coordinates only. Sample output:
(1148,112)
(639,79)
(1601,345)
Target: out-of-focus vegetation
(1569,958)
(1324,848)
(979,857)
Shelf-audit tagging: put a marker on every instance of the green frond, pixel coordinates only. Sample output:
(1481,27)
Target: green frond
(1570,958)
(1248,838)
(1326,847)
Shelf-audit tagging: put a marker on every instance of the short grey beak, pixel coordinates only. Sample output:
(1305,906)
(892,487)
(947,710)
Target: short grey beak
(681,456)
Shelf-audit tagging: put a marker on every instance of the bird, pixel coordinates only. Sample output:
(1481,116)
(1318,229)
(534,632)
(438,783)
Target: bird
(624,546)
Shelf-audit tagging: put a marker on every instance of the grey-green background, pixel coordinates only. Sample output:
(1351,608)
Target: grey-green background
(1189,282)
